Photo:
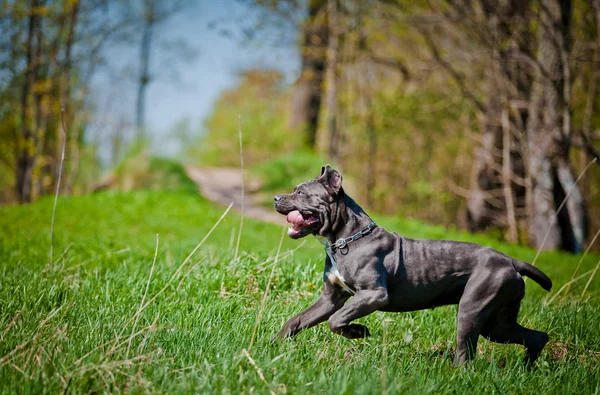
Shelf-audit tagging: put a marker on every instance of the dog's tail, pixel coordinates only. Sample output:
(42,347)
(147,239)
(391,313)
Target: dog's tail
(534,273)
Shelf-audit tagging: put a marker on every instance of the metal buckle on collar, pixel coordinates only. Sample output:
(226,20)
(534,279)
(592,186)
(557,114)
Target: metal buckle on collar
(342,243)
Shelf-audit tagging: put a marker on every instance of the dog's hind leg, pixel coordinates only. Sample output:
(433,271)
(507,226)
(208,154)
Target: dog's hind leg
(468,329)
(502,327)
(484,292)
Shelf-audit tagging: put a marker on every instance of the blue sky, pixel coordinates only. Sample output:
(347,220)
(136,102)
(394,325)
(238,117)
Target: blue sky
(216,65)
(199,81)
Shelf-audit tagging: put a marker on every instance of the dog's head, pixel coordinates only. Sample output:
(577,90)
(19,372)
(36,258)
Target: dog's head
(309,207)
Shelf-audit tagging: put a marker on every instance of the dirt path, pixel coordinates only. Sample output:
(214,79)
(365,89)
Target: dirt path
(224,185)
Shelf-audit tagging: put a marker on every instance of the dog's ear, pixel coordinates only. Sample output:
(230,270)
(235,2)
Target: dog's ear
(330,178)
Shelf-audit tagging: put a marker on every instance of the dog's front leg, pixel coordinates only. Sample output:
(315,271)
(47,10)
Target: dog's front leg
(331,300)
(363,303)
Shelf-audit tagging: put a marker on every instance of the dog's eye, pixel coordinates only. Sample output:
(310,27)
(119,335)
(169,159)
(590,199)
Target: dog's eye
(299,193)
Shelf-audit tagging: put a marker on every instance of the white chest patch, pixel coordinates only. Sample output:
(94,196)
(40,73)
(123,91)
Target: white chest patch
(333,275)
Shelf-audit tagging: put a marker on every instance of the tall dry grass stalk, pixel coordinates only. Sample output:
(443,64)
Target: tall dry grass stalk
(168,284)
(579,263)
(143,297)
(60,171)
(590,279)
(384,384)
(239,236)
(121,341)
(32,339)
(264,298)
(567,285)
(258,370)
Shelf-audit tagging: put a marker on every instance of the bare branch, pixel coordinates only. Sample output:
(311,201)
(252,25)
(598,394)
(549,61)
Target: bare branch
(458,78)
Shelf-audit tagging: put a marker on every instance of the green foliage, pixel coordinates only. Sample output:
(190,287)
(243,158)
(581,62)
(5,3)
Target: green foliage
(141,170)
(259,104)
(68,325)
(86,172)
(282,174)
(36,62)
(8,129)
(421,148)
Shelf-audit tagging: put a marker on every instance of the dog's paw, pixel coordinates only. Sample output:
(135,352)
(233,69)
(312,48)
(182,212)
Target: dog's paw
(355,331)
(284,333)
(533,351)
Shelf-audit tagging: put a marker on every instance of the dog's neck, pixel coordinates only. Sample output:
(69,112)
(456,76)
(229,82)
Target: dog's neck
(348,219)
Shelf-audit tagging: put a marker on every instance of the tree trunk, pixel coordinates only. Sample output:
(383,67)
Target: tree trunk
(495,195)
(507,175)
(144,80)
(308,90)
(484,208)
(586,184)
(548,136)
(27,144)
(332,64)
(65,91)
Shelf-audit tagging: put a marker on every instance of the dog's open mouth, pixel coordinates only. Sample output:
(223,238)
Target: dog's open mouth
(302,224)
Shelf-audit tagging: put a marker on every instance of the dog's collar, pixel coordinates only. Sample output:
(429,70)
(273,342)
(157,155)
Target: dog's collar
(334,275)
(341,243)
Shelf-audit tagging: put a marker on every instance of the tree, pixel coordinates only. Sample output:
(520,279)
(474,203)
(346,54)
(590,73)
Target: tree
(332,77)
(415,99)
(310,20)
(548,135)
(153,14)
(150,19)
(53,50)
(308,89)
(522,169)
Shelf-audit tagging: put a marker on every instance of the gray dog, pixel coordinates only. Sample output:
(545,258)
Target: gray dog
(372,269)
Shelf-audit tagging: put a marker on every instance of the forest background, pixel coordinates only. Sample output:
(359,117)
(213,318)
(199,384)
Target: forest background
(481,115)
(117,275)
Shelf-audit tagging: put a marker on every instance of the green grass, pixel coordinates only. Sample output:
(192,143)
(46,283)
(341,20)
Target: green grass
(66,326)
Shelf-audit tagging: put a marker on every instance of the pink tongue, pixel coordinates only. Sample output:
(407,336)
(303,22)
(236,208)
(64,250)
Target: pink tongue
(294,217)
